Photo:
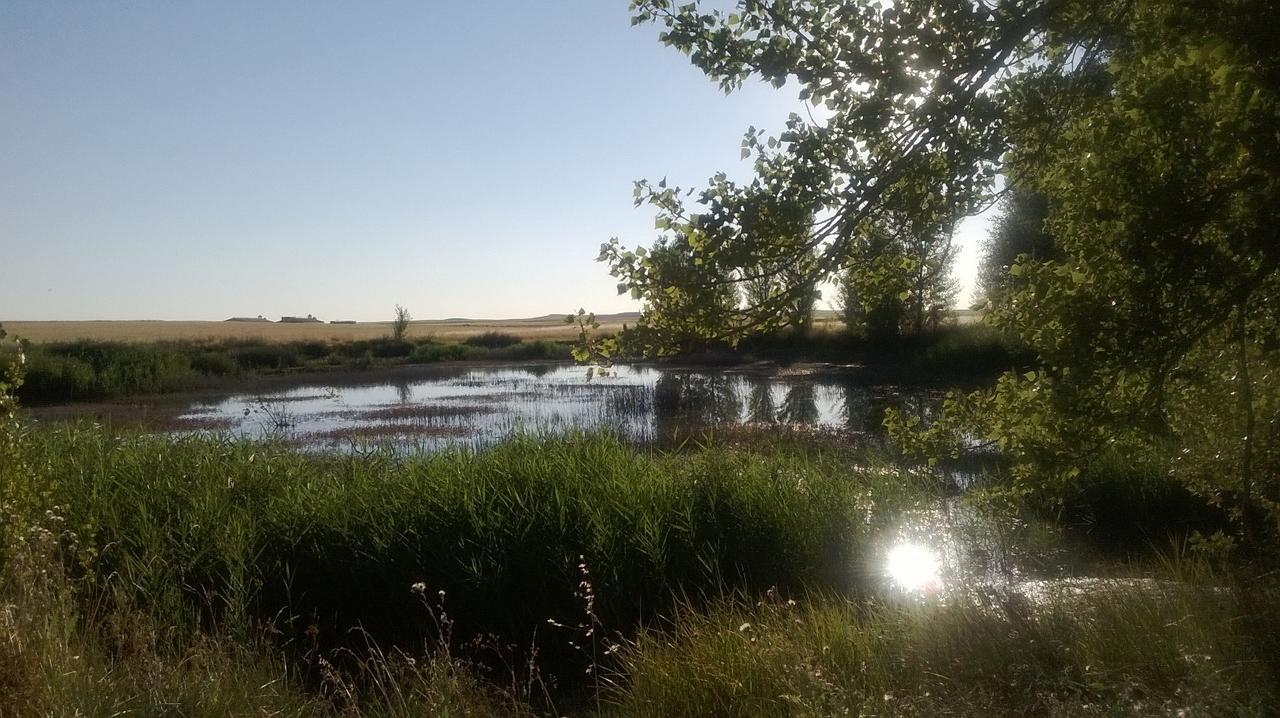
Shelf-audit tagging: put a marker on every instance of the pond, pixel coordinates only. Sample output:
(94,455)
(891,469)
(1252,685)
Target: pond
(477,406)
(942,547)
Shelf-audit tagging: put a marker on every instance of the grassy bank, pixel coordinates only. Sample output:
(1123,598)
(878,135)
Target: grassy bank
(202,533)
(96,370)
(580,576)
(85,371)
(1126,649)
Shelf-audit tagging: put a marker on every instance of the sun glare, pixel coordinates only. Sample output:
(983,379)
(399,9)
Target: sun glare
(913,567)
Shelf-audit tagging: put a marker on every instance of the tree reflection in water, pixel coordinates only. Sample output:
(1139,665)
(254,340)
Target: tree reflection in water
(760,405)
(693,401)
(800,406)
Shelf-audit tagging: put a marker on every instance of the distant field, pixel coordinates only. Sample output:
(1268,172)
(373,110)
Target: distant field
(549,327)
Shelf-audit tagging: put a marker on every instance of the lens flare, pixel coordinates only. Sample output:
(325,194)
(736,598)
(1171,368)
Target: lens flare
(914,567)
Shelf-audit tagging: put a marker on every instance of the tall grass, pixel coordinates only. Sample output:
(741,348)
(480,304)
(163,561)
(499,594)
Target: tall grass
(89,370)
(209,577)
(204,532)
(70,645)
(1126,648)
(493,340)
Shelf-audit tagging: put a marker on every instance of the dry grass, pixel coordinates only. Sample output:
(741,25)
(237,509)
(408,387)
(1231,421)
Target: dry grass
(550,327)
(450,330)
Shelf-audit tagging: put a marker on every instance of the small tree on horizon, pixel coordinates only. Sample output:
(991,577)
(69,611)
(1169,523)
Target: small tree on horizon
(400,325)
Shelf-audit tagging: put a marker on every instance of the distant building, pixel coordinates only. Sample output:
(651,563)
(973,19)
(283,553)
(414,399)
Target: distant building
(309,319)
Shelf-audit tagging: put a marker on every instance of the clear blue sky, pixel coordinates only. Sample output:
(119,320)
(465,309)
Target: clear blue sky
(204,160)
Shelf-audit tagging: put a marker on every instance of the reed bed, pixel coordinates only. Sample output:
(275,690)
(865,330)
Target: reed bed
(206,531)
(568,576)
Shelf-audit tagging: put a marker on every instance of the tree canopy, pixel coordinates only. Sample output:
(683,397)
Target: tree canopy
(1152,130)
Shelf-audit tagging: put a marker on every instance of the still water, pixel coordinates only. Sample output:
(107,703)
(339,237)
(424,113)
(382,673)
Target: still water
(940,548)
(479,406)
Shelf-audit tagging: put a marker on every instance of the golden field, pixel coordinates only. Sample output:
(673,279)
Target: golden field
(548,327)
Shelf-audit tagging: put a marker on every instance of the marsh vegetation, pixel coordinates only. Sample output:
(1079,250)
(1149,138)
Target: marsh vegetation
(1087,523)
(579,574)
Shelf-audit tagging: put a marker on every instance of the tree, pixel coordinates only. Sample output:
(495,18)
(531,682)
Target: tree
(1156,321)
(683,313)
(792,285)
(1018,230)
(400,325)
(898,280)
(1148,126)
(914,131)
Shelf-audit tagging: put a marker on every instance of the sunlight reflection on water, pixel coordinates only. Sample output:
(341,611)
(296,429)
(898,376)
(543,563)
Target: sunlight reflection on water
(914,567)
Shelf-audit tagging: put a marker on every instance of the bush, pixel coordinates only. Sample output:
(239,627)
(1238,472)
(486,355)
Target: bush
(432,352)
(540,349)
(973,351)
(51,379)
(266,356)
(215,363)
(82,371)
(313,349)
(391,348)
(492,340)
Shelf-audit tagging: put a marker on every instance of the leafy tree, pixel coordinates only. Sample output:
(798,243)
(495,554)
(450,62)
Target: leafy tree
(684,311)
(1148,126)
(898,280)
(913,131)
(1018,230)
(1156,326)
(764,284)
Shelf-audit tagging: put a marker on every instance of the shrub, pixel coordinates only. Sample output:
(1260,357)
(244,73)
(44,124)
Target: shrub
(51,378)
(400,325)
(98,370)
(214,363)
(266,356)
(492,340)
(540,349)
(432,352)
(391,348)
(313,349)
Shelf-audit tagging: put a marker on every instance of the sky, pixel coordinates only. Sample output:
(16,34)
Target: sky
(164,160)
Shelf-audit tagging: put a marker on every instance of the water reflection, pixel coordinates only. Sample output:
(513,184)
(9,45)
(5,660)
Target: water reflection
(914,567)
(761,408)
(404,391)
(438,408)
(953,548)
(856,408)
(800,405)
